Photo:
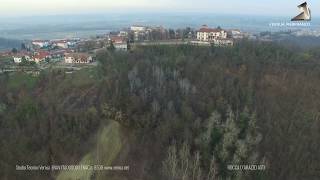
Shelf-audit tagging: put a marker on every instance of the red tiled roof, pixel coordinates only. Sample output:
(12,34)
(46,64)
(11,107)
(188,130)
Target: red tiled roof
(41,54)
(39,57)
(117,39)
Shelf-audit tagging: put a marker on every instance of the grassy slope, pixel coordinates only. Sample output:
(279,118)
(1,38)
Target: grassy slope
(109,144)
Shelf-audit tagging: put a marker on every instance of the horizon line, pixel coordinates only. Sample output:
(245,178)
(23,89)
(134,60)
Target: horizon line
(123,12)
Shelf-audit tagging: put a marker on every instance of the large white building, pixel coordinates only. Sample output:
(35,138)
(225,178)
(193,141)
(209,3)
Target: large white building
(139,32)
(209,34)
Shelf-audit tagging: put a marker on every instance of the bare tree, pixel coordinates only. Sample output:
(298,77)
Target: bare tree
(213,171)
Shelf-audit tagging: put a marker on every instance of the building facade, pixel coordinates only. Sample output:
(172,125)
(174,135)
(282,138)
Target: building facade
(209,34)
(119,43)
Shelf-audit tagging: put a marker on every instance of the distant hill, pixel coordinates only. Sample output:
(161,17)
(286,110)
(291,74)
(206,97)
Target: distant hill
(9,43)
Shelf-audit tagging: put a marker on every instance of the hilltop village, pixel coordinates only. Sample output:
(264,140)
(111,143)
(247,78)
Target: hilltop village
(83,51)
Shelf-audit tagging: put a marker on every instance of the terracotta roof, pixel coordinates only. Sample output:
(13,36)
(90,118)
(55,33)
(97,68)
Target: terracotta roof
(41,54)
(117,39)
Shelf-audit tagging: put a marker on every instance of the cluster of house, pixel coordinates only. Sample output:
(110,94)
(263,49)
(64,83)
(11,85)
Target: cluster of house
(203,36)
(36,57)
(136,33)
(51,50)
(76,50)
(67,56)
(59,43)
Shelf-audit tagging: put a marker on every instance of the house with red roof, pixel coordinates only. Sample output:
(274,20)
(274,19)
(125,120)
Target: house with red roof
(210,34)
(119,43)
(40,56)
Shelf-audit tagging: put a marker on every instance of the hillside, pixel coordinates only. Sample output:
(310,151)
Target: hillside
(168,112)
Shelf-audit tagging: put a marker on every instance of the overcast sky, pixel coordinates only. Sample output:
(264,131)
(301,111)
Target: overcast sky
(259,7)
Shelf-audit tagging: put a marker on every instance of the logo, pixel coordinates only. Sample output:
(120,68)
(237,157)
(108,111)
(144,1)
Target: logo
(305,14)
